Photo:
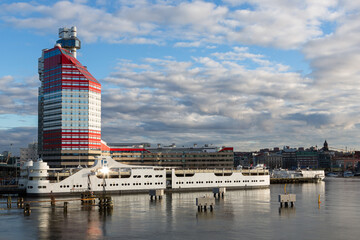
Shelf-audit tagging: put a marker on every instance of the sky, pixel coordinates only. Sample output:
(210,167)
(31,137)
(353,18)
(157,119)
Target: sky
(247,74)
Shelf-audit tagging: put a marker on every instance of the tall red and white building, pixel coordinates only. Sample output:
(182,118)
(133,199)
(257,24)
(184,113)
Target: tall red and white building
(69,106)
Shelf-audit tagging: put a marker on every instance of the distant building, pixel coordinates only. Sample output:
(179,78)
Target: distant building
(29,153)
(325,160)
(289,160)
(307,159)
(243,158)
(274,160)
(2,158)
(172,156)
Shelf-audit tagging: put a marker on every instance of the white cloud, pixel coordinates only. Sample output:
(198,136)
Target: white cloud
(19,137)
(334,58)
(283,24)
(18,97)
(216,100)
(216,97)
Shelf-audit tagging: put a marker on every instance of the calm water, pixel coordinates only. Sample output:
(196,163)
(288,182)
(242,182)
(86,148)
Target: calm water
(251,214)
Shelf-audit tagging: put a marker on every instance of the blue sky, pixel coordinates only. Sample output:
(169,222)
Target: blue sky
(248,74)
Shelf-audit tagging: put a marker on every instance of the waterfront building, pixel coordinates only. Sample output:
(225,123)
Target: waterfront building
(325,160)
(289,158)
(273,160)
(69,106)
(172,156)
(243,159)
(259,158)
(269,158)
(307,159)
(29,153)
(4,157)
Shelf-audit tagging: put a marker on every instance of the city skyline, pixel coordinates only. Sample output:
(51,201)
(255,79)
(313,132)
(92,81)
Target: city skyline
(247,74)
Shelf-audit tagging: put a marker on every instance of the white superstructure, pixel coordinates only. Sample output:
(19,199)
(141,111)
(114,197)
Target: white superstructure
(319,174)
(212,178)
(108,175)
(24,173)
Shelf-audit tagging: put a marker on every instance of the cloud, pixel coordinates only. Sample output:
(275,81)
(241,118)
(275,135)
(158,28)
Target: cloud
(333,58)
(18,96)
(316,120)
(207,99)
(235,97)
(283,24)
(19,137)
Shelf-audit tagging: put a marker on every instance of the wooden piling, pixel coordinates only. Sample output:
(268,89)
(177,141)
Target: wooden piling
(65,207)
(27,209)
(20,202)
(87,198)
(220,191)
(156,193)
(8,204)
(52,200)
(105,202)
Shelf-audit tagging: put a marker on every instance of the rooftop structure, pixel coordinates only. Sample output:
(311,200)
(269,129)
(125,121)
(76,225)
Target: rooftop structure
(68,40)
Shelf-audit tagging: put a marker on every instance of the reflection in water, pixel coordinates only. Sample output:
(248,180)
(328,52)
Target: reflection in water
(251,214)
(206,215)
(94,230)
(287,212)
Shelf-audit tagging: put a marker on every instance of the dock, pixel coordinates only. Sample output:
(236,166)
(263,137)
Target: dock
(287,199)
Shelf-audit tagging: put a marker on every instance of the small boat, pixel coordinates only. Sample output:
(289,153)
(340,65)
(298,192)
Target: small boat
(348,174)
(332,174)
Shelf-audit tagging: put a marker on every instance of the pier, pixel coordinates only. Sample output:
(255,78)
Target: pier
(204,202)
(287,199)
(220,191)
(156,193)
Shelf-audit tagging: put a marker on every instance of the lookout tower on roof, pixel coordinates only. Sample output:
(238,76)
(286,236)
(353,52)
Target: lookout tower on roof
(69,40)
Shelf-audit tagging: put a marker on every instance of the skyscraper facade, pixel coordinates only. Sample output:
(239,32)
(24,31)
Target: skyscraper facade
(69,106)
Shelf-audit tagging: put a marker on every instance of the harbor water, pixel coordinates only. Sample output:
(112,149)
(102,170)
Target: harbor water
(241,214)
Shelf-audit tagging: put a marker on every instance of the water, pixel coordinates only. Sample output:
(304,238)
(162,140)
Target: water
(251,214)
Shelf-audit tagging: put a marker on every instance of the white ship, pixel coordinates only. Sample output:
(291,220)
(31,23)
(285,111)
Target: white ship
(110,176)
(315,174)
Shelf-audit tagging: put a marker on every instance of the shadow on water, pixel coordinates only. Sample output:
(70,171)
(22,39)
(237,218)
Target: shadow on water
(206,215)
(287,212)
